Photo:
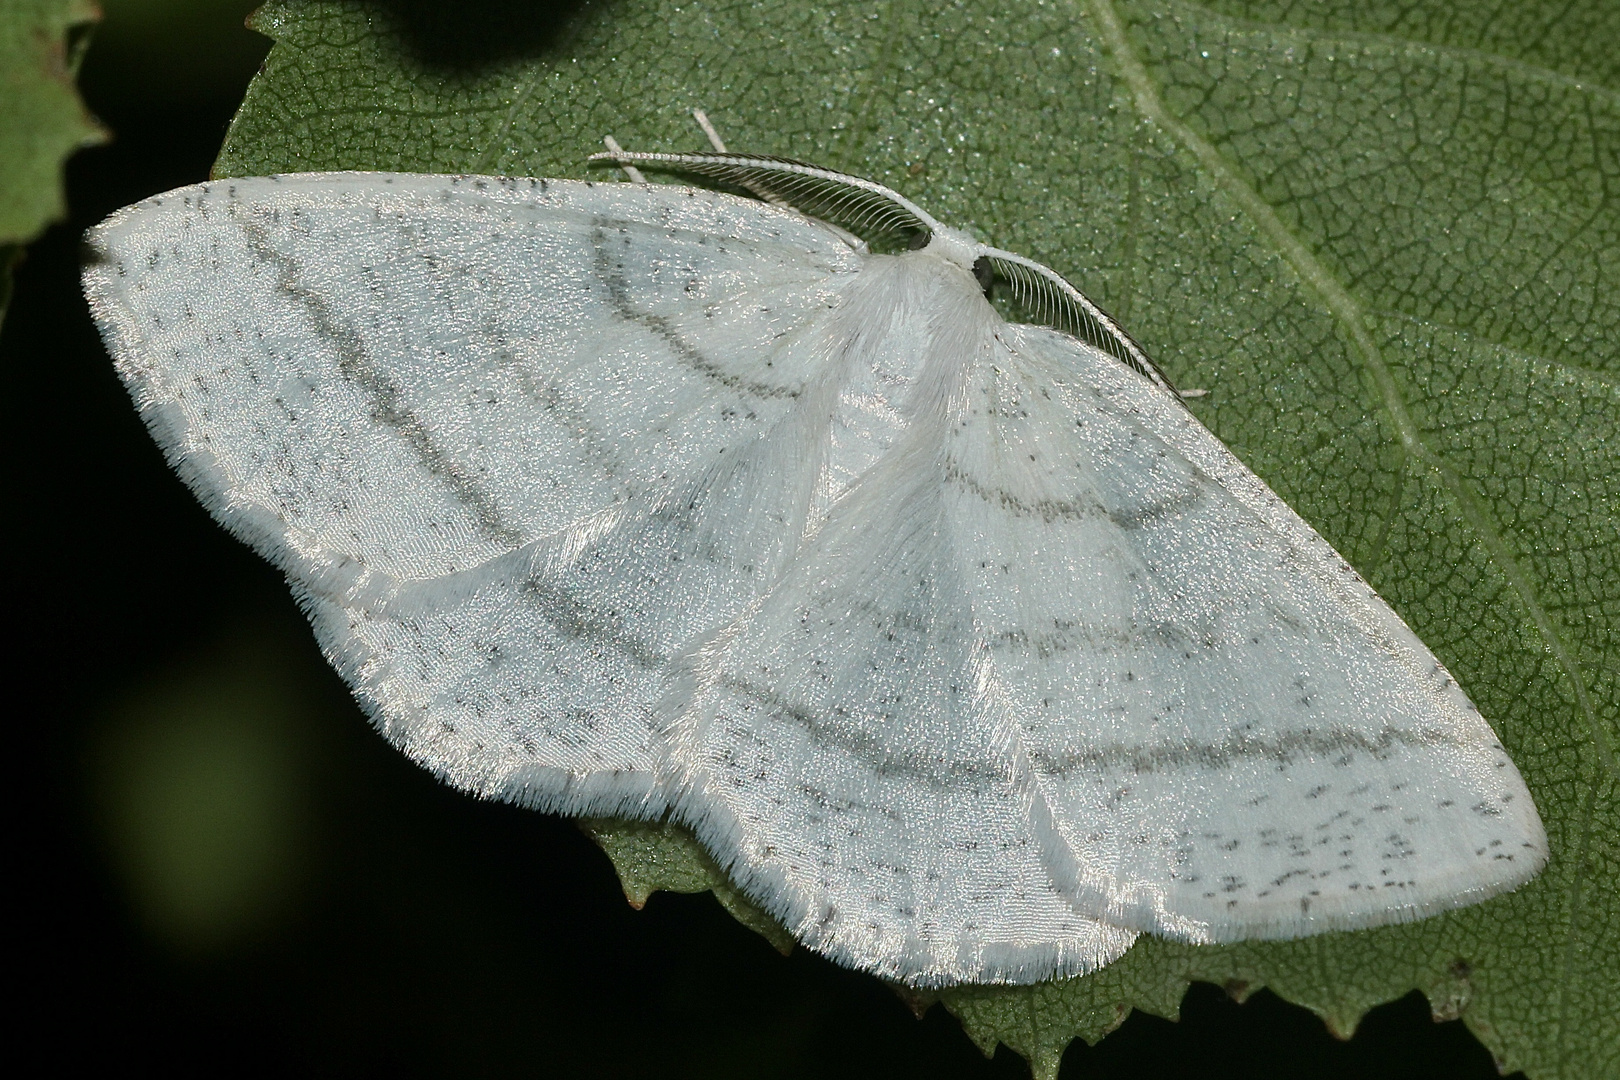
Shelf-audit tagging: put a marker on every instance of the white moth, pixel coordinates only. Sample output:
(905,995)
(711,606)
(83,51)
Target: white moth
(961,644)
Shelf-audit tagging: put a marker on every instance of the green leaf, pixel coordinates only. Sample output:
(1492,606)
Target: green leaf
(654,857)
(1385,237)
(43,121)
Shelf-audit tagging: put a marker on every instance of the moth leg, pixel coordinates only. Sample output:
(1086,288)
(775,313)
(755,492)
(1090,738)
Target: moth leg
(702,119)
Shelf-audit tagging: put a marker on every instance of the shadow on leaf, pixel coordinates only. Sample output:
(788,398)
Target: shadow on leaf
(471,38)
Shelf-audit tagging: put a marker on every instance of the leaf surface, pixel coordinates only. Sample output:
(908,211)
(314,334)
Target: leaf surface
(1385,238)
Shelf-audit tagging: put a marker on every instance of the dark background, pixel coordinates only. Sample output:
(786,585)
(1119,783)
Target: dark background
(224,870)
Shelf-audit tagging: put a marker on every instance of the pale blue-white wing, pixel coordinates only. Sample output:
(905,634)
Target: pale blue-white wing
(410,375)
(479,423)
(1238,738)
(843,748)
(536,677)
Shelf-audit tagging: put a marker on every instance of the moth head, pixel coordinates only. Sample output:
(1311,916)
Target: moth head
(955,246)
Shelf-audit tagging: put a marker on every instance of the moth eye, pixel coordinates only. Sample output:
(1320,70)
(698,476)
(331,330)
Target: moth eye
(919,240)
(984,274)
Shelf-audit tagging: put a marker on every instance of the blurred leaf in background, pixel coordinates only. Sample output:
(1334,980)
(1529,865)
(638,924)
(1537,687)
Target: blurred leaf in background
(200,775)
(1384,236)
(42,120)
